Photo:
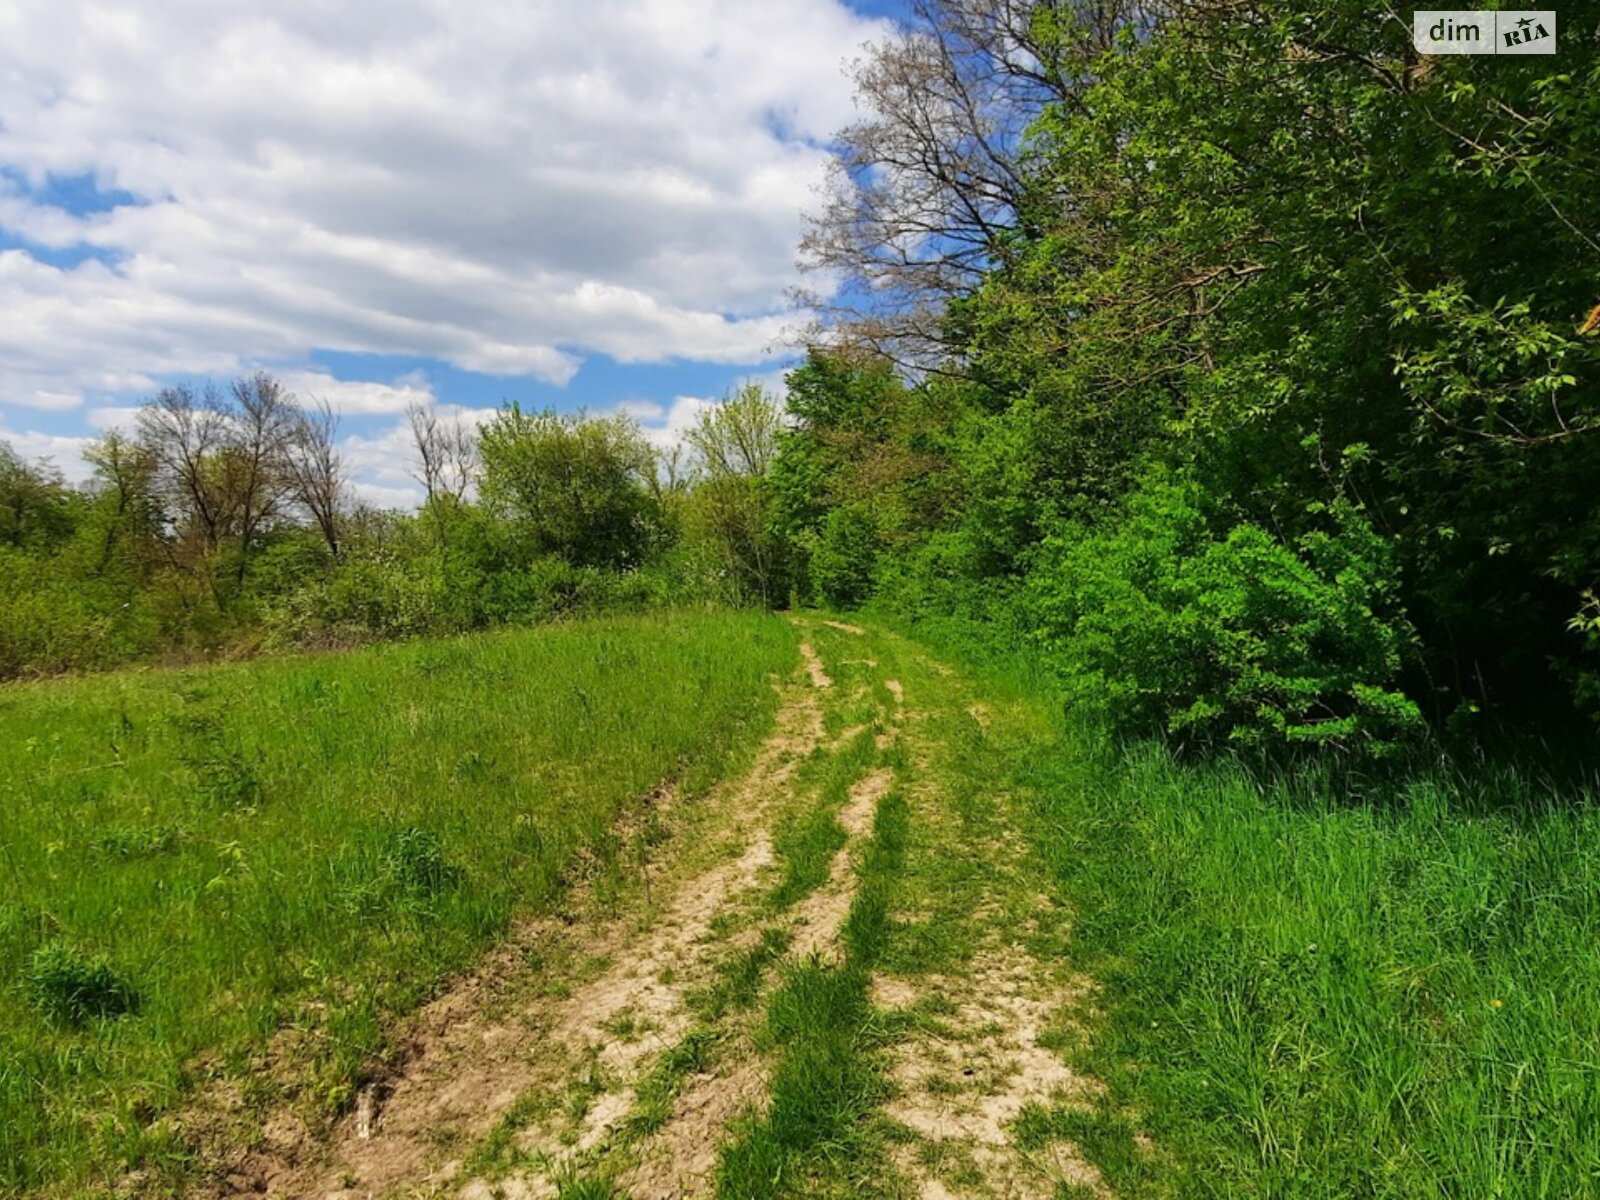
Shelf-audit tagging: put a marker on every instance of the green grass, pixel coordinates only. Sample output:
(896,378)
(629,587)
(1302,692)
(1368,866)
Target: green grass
(1326,997)
(192,862)
(1319,985)
(807,840)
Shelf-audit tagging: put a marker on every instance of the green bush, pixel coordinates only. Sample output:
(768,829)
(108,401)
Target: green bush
(1164,624)
(845,558)
(364,598)
(70,987)
(51,620)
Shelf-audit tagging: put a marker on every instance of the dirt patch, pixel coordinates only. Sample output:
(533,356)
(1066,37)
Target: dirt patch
(814,668)
(963,1084)
(681,1158)
(893,995)
(498,1036)
(846,627)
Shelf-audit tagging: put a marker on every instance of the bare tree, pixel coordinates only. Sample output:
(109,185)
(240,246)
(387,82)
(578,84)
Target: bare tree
(929,186)
(447,453)
(669,471)
(315,472)
(264,422)
(183,431)
(223,466)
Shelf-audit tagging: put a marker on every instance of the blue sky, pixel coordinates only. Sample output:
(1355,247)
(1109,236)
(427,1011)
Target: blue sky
(579,205)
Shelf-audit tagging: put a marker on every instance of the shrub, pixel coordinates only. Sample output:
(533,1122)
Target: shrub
(366,597)
(846,557)
(52,621)
(1162,624)
(70,987)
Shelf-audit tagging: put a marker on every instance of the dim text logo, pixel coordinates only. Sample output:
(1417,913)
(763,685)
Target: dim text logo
(1467,31)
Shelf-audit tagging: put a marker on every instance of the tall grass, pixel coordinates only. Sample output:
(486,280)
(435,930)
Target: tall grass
(192,862)
(1317,997)
(1315,984)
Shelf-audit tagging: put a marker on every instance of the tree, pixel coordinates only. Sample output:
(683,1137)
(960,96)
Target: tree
(184,432)
(739,436)
(734,445)
(125,483)
(255,473)
(447,453)
(930,189)
(227,466)
(577,486)
(34,502)
(316,475)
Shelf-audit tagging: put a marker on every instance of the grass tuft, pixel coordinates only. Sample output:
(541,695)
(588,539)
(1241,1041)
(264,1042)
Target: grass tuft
(71,987)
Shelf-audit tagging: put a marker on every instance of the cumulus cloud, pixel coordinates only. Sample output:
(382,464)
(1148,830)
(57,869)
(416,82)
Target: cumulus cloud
(48,401)
(359,396)
(505,188)
(61,451)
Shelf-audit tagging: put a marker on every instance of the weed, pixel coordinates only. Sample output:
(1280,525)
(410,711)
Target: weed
(224,777)
(138,841)
(738,979)
(572,1185)
(398,871)
(71,987)
(657,1090)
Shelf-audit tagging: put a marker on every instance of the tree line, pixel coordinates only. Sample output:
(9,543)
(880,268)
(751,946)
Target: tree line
(1229,357)
(225,520)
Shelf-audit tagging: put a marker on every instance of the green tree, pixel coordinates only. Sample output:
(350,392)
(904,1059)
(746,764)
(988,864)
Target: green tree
(734,445)
(576,486)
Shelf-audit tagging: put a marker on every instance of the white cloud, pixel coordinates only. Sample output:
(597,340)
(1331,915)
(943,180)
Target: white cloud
(379,495)
(666,426)
(63,452)
(124,418)
(642,410)
(358,396)
(48,401)
(503,187)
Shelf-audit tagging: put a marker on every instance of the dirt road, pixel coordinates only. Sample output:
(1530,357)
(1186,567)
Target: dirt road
(864,869)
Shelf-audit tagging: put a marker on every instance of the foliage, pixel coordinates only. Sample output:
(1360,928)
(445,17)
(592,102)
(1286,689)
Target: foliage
(178,546)
(1329,980)
(730,510)
(1165,625)
(71,987)
(576,486)
(845,556)
(1265,248)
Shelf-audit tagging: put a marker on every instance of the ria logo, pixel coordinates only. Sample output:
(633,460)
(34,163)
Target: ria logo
(1467,31)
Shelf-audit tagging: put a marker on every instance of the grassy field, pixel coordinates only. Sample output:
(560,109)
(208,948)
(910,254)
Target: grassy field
(939,935)
(192,862)
(1320,985)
